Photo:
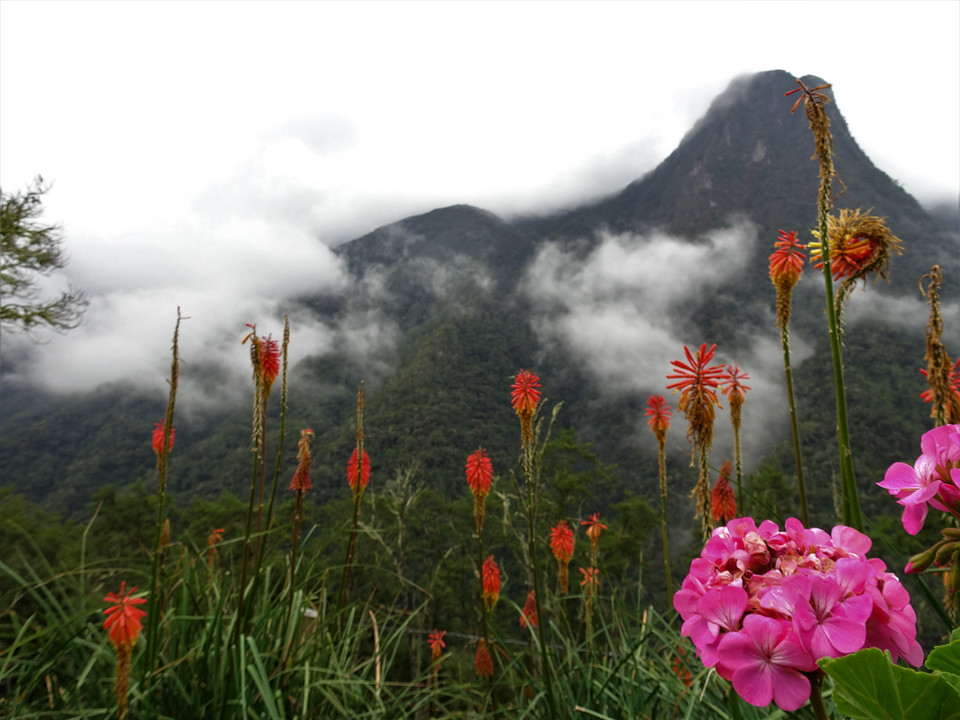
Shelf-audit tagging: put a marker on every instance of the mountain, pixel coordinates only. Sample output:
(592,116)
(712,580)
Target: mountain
(446,306)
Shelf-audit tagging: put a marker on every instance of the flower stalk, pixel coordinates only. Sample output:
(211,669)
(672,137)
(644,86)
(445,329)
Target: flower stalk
(162,449)
(659,413)
(815,106)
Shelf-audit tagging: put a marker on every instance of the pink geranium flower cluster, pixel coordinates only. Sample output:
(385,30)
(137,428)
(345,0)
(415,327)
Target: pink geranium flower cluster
(762,605)
(933,481)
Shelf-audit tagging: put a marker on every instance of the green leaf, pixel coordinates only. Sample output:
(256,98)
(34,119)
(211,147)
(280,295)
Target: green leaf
(869,686)
(945,658)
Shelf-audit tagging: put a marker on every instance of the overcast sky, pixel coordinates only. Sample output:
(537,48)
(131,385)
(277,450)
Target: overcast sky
(204,155)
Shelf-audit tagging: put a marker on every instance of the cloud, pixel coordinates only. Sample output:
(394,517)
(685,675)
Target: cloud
(616,310)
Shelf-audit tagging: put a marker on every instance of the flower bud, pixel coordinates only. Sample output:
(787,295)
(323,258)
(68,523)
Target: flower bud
(921,561)
(944,552)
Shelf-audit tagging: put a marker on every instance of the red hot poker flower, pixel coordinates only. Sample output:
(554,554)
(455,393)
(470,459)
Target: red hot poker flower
(491,582)
(528,615)
(591,579)
(363,472)
(265,357)
(731,384)
(659,413)
(696,378)
(595,526)
(123,617)
(435,639)
(483,663)
(786,262)
(479,472)
(723,500)
(158,437)
(525,396)
(561,541)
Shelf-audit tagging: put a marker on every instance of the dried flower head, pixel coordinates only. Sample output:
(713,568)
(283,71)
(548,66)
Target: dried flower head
(943,375)
(491,582)
(723,500)
(213,539)
(358,476)
(123,616)
(301,478)
(158,437)
(860,243)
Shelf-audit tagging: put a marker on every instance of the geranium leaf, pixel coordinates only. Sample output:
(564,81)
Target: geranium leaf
(945,658)
(869,686)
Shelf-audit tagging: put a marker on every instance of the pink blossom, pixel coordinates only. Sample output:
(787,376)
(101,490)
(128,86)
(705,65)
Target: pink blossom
(827,624)
(765,662)
(762,604)
(933,480)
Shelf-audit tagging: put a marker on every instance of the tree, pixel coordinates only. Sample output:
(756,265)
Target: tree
(29,250)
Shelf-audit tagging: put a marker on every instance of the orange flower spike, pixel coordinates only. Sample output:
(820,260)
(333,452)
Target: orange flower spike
(479,472)
(301,478)
(562,541)
(786,262)
(491,582)
(158,438)
(732,384)
(695,377)
(595,526)
(123,617)
(525,395)
(270,359)
(528,615)
(659,413)
(723,499)
(591,579)
(362,473)
(483,663)
(435,640)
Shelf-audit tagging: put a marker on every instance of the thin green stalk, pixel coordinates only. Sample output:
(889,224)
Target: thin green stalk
(662,463)
(823,140)
(531,474)
(801,487)
(816,697)
(163,457)
(850,503)
(276,471)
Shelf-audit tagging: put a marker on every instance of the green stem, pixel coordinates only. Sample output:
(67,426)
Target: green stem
(788,372)
(529,477)
(816,697)
(163,457)
(662,462)
(850,504)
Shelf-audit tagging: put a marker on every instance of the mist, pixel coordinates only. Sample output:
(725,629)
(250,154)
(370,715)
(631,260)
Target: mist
(616,311)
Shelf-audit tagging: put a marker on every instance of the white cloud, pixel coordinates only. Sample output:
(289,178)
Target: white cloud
(615,310)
